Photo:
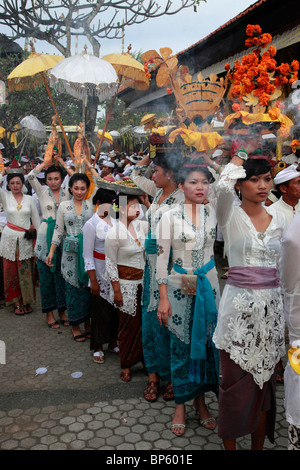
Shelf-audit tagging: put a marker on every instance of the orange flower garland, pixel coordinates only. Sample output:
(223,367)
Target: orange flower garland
(258,72)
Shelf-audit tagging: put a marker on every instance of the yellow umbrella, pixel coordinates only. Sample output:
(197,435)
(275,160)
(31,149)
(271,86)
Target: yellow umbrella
(27,75)
(129,70)
(130,73)
(31,73)
(106,137)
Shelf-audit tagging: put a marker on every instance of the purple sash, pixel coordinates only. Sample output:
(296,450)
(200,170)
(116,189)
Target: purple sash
(253,277)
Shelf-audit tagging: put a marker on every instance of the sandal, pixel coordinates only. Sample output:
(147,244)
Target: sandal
(206,423)
(151,389)
(79,338)
(168,393)
(178,426)
(125,376)
(88,334)
(19,310)
(28,309)
(65,322)
(53,325)
(99,357)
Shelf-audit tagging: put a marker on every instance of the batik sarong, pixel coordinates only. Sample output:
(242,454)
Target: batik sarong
(52,285)
(78,303)
(18,280)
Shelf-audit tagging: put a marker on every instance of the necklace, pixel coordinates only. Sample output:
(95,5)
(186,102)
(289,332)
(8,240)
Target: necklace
(19,205)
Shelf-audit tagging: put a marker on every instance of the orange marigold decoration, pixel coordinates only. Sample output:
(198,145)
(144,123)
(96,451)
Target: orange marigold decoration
(295,145)
(258,74)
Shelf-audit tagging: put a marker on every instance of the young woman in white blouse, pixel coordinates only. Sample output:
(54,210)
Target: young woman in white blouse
(124,248)
(50,196)
(16,245)
(71,217)
(189,294)
(250,328)
(163,188)
(104,317)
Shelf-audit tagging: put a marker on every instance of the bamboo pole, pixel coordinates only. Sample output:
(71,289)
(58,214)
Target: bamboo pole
(57,115)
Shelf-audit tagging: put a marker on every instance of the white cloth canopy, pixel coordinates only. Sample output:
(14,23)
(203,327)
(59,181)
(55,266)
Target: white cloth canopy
(85,74)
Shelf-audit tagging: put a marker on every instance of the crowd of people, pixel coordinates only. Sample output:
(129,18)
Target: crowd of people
(137,272)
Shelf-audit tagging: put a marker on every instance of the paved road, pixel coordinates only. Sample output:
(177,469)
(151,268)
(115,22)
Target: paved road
(57,411)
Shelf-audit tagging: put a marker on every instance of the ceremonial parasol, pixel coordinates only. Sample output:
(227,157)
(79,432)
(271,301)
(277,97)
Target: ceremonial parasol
(85,75)
(139,131)
(31,125)
(31,73)
(130,73)
(114,134)
(106,137)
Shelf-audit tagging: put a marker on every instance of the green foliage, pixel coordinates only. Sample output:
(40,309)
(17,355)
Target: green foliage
(119,118)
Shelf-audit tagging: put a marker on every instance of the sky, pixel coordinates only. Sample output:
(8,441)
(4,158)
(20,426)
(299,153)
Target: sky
(178,31)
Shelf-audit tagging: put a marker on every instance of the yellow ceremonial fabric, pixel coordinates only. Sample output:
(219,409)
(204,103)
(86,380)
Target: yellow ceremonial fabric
(294,359)
(201,141)
(252,118)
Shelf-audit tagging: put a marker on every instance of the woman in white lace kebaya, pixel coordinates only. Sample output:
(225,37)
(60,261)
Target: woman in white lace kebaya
(250,328)
(189,294)
(70,219)
(16,245)
(163,188)
(50,196)
(104,317)
(124,250)
(290,279)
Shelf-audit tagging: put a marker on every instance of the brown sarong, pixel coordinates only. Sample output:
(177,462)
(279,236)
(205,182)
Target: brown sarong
(130,327)
(241,401)
(129,273)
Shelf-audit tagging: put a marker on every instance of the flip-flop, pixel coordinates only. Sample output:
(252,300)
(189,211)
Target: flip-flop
(125,376)
(51,325)
(78,338)
(99,357)
(28,309)
(20,309)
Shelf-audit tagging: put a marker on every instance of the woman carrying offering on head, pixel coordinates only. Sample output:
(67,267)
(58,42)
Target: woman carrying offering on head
(164,190)
(189,294)
(52,284)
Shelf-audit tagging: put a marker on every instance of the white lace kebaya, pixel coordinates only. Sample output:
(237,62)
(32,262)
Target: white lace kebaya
(94,232)
(21,217)
(250,321)
(49,208)
(122,249)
